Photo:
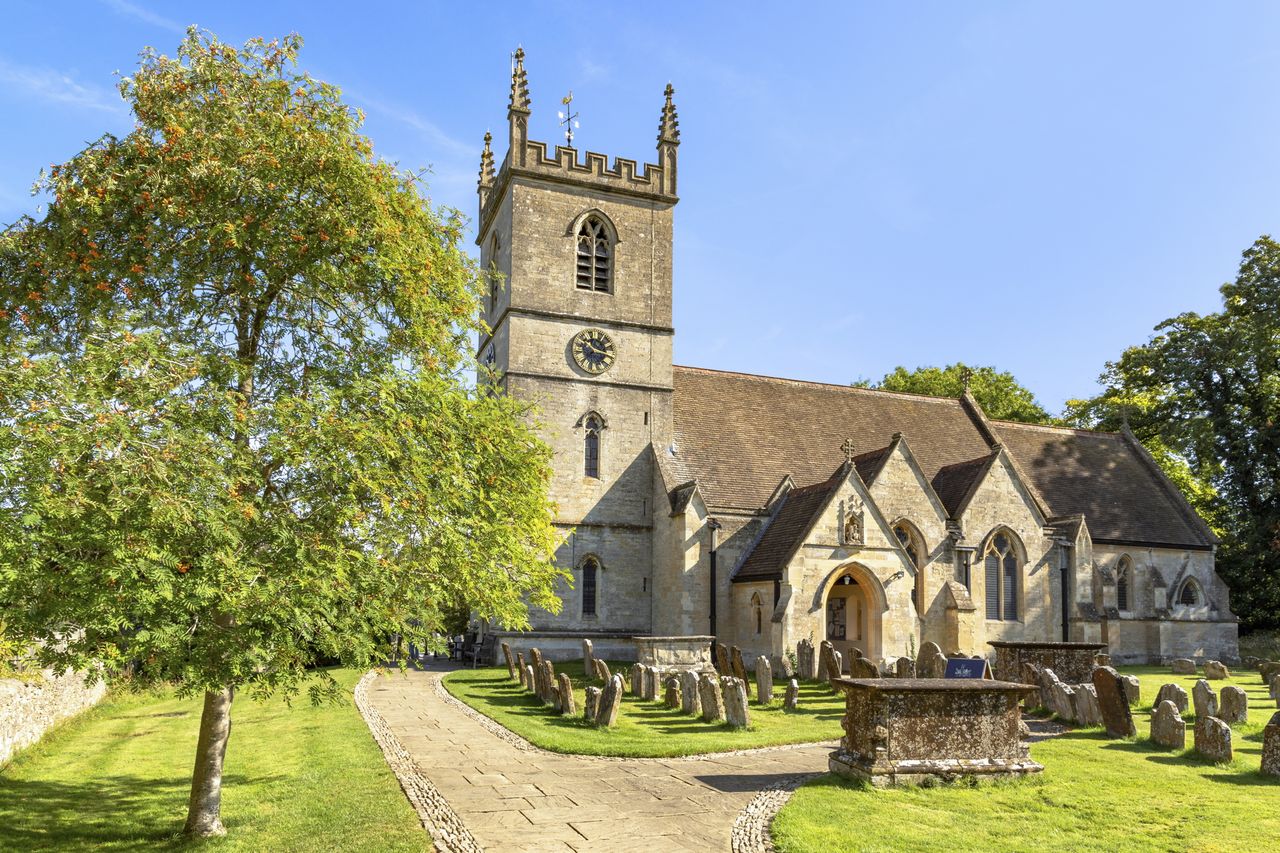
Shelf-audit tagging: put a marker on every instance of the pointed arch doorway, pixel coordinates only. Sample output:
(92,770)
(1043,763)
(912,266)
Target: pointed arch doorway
(851,615)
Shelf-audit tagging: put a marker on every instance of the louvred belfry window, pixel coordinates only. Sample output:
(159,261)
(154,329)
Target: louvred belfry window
(595,256)
(591,448)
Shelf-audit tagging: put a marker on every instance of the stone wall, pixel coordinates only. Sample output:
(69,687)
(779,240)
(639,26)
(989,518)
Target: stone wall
(29,709)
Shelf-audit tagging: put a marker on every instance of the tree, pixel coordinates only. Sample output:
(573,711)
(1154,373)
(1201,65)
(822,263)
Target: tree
(1207,389)
(235,435)
(999,393)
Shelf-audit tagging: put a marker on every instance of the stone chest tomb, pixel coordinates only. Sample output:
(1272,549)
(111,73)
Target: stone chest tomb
(911,730)
(1071,662)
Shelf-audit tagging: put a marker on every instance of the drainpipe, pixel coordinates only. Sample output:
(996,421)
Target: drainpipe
(1065,582)
(712,527)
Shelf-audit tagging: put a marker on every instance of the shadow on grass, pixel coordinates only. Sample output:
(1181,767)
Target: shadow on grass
(128,811)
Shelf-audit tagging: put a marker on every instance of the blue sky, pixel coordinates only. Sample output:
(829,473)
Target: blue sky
(1032,186)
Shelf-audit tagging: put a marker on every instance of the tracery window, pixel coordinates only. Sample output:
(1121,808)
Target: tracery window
(590,568)
(595,255)
(591,448)
(1123,573)
(1000,560)
(495,283)
(1189,594)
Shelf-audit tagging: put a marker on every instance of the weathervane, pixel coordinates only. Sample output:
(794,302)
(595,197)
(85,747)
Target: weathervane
(568,118)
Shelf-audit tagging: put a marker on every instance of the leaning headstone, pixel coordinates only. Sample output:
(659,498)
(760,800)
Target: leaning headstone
(825,650)
(782,668)
(637,679)
(1132,689)
(591,705)
(906,668)
(735,662)
(1205,700)
(547,683)
(734,691)
(1175,694)
(520,669)
(722,658)
(1167,726)
(1088,711)
(806,663)
(764,680)
(610,701)
(671,692)
(835,667)
(1102,659)
(1233,705)
(567,707)
(931,662)
(602,670)
(511,662)
(1048,678)
(1271,747)
(536,656)
(1062,701)
(1269,669)
(792,700)
(588,657)
(863,668)
(689,703)
(1183,666)
(1213,739)
(709,696)
(1117,719)
(1216,670)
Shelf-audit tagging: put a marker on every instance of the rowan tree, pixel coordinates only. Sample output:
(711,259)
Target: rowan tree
(236,436)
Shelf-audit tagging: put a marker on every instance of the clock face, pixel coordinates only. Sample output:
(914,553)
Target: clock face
(593,350)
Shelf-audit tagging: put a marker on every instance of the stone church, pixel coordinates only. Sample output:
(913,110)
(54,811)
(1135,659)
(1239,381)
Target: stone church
(762,511)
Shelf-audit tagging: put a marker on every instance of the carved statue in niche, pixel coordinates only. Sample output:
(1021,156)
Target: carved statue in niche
(853,528)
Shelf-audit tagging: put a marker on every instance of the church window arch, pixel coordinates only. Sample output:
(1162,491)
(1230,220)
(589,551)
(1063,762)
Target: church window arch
(592,426)
(757,613)
(908,536)
(594,254)
(1189,594)
(590,568)
(1002,564)
(1124,583)
(495,278)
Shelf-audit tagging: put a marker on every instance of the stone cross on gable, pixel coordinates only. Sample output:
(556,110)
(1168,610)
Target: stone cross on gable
(966,376)
(847,448)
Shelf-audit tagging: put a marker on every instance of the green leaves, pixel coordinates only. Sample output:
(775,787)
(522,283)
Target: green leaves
(999,393)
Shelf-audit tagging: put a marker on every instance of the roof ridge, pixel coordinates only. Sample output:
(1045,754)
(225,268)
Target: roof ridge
(1057,429)
(908,395)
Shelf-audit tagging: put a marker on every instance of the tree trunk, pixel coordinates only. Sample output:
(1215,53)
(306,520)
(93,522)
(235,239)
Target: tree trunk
(204,810)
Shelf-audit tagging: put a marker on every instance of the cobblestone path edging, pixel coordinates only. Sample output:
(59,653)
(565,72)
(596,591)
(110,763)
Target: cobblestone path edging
(447,830)
(751,827)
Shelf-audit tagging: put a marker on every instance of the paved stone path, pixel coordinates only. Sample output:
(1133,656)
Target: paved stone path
(515,799)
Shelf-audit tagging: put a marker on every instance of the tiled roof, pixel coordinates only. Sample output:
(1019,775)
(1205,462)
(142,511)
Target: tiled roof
(786,530)
(1104,477)
(738,435)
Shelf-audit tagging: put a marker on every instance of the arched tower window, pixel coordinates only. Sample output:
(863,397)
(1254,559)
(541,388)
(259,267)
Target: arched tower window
(1124,575)
(590,570)
(911,542)
(595,255)
(1189,593)
(757,613)
(1001,563)
(591,447)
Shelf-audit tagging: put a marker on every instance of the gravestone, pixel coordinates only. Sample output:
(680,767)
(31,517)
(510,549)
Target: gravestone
(567,707)
(825,651)
(1046,681)
(782,668)
(549,684)
(1117,718)
(1216,670)
(764,680)
(863,668)
(536,656)
(1167,726)
(610,702)
(1132,689)
(671,693)
(792,700)
(735,662)
(806,663)
(1088,711)
(649,683)
(602,670)
(1183,666)
(637,679)
(1175,694)
(835,667)
(931,662)
(588,657)
(1233,705)
(591,705)
(689,703)
(1275,689)
(1213,739)
(905,668)
(511,663)
(709,696)
(1271,747)
(530,680)
(1062,701)
(1205,700)
(1102,659)
(520,669)
(722,659)
(1269,670)
(734,691)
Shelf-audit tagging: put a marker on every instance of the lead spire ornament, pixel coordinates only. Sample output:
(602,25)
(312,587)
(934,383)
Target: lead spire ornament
(669,125)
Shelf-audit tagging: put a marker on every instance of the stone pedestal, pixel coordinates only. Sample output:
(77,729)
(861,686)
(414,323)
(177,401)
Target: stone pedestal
(1073,662)
(909,730)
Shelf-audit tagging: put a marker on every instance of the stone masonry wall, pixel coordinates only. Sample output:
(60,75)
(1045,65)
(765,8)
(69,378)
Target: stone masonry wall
(28,710)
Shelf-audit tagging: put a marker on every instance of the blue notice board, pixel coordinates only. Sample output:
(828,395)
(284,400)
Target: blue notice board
(966,668)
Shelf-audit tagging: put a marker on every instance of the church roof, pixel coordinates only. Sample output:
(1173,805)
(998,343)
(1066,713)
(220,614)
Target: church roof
(787,529)
(738,435)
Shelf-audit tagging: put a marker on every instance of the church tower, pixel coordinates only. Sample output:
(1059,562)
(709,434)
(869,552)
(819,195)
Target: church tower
(579,309)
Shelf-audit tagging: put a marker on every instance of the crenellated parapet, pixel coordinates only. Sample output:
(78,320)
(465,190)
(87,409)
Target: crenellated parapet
(530,158)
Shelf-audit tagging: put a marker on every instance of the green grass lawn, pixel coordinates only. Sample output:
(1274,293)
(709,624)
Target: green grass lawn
(643,728)
(117,778)
(1094,794)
